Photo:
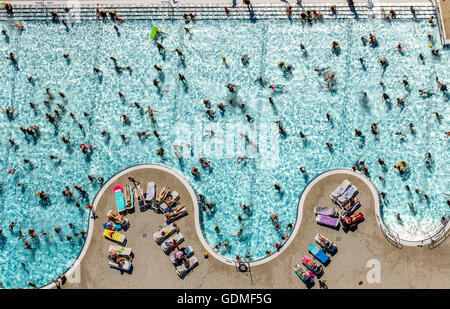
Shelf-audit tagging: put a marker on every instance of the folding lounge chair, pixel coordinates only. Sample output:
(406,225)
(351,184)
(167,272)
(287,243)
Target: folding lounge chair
(327,221)
(307,277)
(125,267)
(182,270)
(129,197)
(139,194)
(354,218)
(180,255)
(122,251)
(326,211)
(340,190)
(167,245)
(120,201)
(114,236)
(150,195)
(343,199)
(325,243)
(162,195)
(321,256)
(312,265)
(345,213)
(178,216)
(165,232)
(124,221)
(172,196)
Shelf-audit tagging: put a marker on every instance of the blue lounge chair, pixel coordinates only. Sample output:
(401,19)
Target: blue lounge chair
(318,254)
(120,201)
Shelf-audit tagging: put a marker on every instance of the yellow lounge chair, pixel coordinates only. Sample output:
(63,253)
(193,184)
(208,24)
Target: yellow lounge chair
(114,236)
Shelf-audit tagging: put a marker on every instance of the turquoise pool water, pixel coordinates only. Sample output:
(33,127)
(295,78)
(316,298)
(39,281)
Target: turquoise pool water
(301,106)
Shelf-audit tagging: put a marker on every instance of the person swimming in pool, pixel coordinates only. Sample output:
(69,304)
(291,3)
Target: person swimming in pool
(276,86)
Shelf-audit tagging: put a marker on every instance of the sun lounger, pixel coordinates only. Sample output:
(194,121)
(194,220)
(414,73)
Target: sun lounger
(326,211)
(167,245)
(139,194)
(177,258)
(351,209)
(325,243)
(182,270)
(120,201)
(150,195)
(307,277)
(327,221)
(114,236)
(340,190)
(165,232)
(321,256)
(354,218)
(125,267)
(177,216)
(129,197)
(343,199)
(312,265)
(162,195)
(169,201)
(122,251)
(124,221)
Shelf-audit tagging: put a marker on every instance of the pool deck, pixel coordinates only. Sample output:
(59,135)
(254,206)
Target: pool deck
(445,12)
(410,267)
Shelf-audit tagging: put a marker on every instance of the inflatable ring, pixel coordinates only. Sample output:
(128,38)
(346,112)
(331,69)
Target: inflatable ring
(242,268)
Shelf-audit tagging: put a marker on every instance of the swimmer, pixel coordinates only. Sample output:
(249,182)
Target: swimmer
(404,81)
(230,87)
(277,187)
(276,86)
(210,113)
(374,127)
(303,169)
(442,86)
(9,112)
(401,101)
(245,59)
(195,172)
(357,133)
(241,158)
(179,52)
(335,46)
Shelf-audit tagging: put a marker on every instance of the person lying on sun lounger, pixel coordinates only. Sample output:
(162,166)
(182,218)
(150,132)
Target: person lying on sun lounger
(175,212)
(118,260)
(115,217)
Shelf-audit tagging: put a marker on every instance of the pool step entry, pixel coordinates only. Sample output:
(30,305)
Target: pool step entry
(203,12)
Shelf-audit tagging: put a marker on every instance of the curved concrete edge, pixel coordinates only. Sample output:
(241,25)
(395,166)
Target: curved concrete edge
(348,171)
(70,271)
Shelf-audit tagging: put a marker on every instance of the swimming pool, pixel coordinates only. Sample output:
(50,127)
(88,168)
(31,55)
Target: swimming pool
(302,105)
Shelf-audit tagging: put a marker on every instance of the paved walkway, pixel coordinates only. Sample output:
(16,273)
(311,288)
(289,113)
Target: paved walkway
(410,267)
(445,10)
